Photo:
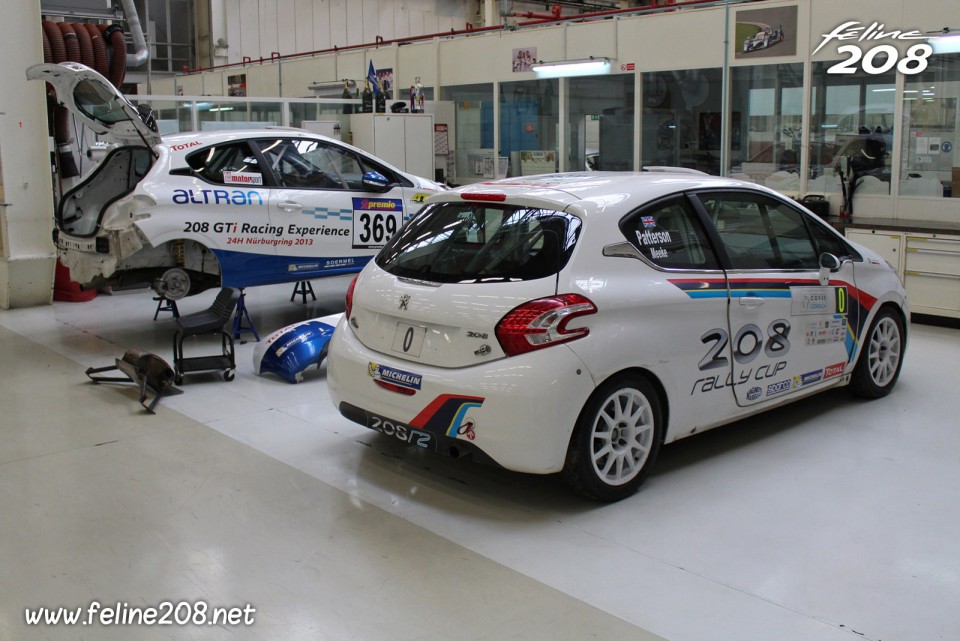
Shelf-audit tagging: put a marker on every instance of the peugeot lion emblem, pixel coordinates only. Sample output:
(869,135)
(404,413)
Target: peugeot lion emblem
(404,300)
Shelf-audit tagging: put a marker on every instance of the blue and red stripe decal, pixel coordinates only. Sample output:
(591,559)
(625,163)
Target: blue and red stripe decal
(780,288)
(446,413)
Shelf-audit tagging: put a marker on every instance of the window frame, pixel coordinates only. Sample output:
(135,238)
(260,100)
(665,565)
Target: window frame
(807,219)
(698,218)
(188,170)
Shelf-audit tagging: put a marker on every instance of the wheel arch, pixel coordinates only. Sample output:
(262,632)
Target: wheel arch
(890,304)
(657,386)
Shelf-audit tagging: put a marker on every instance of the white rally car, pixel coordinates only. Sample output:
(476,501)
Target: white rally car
(577,322)
(234,208)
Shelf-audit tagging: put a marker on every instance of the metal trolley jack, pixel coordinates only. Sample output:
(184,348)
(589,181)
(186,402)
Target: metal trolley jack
(149,372)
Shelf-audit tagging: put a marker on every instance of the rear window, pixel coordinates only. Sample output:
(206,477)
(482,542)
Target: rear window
(470,243)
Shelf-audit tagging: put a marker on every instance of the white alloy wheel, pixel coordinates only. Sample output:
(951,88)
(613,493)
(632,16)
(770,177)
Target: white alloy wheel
(622,436)
(616,439)
(884,352)
(881,357)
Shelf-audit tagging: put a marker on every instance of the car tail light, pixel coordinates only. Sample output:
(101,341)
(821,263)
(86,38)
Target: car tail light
(349,301)
(543,322)
(483,196)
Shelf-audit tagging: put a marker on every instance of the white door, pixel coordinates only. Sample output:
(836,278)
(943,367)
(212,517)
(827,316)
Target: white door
(786,331)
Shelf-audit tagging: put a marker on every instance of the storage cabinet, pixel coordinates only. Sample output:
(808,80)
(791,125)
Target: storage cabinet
(403,140)
(887,244)
(932,274)
(929,265)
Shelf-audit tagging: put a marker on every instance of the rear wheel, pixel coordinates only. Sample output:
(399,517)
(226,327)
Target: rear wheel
(616,439)
(881,358)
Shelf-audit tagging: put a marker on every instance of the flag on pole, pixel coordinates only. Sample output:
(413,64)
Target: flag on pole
(372,78)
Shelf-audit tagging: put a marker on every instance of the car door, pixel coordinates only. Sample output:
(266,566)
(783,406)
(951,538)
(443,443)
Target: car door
(786,329)
(334,222)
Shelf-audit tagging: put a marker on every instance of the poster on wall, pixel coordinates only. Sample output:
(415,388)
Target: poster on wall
(765,33)
(385,80)
(237,85)
(524,58)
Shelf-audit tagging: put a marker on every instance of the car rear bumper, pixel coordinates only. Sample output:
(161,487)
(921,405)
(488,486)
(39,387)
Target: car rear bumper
(515,412)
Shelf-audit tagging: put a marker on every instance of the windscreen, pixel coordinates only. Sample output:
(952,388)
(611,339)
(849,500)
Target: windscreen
(473,243)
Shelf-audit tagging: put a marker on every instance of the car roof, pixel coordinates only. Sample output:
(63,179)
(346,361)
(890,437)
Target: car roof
(601,187)
(208,137)
(186,143)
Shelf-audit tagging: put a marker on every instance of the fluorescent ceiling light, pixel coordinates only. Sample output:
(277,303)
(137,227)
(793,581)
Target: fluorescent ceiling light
(221,108)
(947,43)
(592,66)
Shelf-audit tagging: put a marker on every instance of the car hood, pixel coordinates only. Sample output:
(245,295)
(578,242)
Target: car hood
(96,102)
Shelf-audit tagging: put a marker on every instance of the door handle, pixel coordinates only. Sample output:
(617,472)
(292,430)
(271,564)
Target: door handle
(750,301)
(289,205)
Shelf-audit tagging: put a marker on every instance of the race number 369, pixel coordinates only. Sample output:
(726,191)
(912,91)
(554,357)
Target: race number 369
(881,59)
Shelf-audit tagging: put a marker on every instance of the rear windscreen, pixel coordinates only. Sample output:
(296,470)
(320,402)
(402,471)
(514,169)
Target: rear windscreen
(468,242)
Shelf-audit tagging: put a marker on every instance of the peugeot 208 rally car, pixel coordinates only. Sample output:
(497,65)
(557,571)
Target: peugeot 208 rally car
(576,322)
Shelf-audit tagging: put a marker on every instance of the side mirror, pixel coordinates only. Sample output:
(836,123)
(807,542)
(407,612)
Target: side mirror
(828,265)
(375,181)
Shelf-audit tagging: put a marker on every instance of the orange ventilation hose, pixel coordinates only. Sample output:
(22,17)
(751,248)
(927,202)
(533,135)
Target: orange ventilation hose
(100,59)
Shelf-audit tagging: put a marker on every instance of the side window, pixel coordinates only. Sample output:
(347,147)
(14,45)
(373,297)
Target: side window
(759,232)
(296,164)
(670,235)
(346,165)
(310,164)
(230,164)
(827,241)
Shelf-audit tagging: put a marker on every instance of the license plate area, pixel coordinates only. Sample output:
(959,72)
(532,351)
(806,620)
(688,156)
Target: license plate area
(76,245)
(402,432)
(408,339)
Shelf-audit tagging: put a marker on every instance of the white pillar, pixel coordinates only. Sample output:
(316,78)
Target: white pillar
(26,217)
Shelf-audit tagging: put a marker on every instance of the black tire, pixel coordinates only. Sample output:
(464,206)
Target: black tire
(881,357)
(228,375)
(616,439)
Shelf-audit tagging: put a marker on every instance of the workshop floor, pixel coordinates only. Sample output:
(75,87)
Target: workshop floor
(832,519)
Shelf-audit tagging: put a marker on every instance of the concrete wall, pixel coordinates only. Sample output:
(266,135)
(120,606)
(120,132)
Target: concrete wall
(26,217)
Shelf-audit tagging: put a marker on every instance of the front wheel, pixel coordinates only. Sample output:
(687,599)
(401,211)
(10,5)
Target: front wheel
(881,358)
(616,439)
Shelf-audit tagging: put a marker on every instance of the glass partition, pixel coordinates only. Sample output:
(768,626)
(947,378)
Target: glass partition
(529,116)
(681,119)
(176,114)
(851,117)
(600,123)
(766,112)
(238,115)
(930,158)
(472,142)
